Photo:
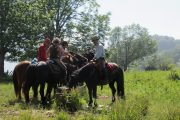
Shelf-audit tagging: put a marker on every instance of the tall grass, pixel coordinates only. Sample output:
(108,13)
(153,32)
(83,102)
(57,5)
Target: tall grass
(151,95)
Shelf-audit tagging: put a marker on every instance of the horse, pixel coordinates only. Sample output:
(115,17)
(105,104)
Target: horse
(90,75)
(19,77)
(79,60)
(73,61)
(88,55)
(39,74)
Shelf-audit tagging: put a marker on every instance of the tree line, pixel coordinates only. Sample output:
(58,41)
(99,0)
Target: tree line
(25,23)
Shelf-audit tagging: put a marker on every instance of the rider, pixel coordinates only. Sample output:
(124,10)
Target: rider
(99,56)
(42,50)
(64,49)
(54,52)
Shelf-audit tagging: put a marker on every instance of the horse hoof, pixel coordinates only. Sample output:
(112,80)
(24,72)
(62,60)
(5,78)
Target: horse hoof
(95,104)
(113,100)
(123,97)
(90,105)
(44,103)
(27,101)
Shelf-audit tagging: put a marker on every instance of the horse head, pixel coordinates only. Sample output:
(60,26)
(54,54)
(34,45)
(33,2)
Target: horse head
(79,60)
(84,74)
(89,56)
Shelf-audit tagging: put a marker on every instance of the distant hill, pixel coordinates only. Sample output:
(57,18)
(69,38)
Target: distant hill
(168,46)
(166,43)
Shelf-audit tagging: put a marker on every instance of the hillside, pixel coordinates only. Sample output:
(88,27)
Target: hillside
(166,43)
(169,47)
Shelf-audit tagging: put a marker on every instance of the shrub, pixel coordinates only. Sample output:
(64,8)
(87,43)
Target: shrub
(69,100)
(174,75)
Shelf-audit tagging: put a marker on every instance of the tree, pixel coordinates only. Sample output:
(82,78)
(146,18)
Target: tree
(129,44)
(24,22)
(21,21)
(77,21)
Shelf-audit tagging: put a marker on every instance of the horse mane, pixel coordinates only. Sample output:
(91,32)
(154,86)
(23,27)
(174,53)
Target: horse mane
(89,55)
(83,71)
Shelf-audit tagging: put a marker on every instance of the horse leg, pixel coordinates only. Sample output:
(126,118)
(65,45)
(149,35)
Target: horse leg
(90,96)
(43,99)
(113,90)
(19,86)
(48,92)
(35,90)
(95,96)
(26,93)
(55,89)
(19,91)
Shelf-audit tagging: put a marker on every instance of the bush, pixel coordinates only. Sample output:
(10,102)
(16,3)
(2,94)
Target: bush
(69,100)
(174,75)
(6,78)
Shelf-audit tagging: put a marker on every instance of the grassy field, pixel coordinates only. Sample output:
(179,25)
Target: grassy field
(149,96)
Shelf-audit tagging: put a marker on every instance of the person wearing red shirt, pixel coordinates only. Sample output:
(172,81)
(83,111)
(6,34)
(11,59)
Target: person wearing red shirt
(42,50)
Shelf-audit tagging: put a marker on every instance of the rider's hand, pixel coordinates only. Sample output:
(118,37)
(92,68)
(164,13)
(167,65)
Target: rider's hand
(91,61)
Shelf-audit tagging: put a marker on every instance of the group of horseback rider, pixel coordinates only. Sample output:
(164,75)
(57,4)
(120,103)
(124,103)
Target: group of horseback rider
(57,50)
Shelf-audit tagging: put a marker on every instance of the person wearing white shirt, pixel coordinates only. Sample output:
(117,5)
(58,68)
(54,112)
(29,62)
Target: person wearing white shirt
(99,57)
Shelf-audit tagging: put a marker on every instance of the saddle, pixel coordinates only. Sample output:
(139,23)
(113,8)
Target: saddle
(104,79)
(54,67)
(109,67)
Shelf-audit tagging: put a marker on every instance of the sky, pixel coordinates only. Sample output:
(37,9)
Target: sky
(160,17)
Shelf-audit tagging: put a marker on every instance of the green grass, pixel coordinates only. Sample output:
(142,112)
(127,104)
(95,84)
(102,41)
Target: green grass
(149,96)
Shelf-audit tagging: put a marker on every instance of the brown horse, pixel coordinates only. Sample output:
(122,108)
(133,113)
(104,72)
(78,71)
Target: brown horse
(19,77)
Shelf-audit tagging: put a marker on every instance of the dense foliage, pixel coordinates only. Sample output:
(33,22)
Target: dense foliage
(23,23)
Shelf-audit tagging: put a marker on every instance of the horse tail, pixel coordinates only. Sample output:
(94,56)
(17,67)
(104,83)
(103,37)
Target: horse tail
(15,82)
(30,76)
(120,83)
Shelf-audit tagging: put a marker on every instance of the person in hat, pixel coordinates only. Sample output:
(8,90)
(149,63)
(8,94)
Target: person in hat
(54,52)
(99,56)
(41,56)
(99,49)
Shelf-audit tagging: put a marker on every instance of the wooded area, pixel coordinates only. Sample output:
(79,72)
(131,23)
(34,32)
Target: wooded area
(25,23)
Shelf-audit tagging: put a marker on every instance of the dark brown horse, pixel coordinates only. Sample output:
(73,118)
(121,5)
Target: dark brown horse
(40,74)
(73,61)
(19,77)
(88,55)
(90,75)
